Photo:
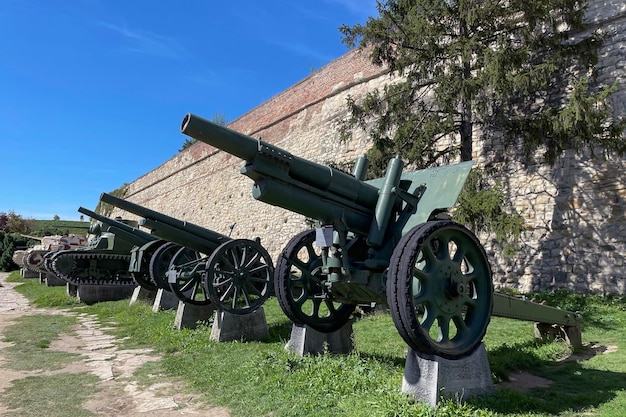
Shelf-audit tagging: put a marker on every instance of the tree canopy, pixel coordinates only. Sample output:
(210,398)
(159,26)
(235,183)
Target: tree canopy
(14,223)
(523,68)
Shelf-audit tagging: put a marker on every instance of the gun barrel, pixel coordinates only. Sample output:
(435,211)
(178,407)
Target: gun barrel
(132,234)
(183,237)
(264,160)
(146,213)
(228,140)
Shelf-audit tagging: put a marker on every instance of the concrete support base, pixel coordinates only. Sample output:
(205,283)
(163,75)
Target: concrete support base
(91,294)
(142,294)
(189,315)
(305,340)
(228,327)
(27,273)
(164,300)
(429,377)
(72,290)
(53,281)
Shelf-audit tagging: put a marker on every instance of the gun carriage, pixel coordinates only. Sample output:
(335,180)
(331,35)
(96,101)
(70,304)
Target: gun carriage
(208,267)
(387,241)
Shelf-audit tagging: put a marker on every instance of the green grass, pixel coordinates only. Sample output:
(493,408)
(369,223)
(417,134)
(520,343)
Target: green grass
(43,227)
(31,337)
(261,378)
(59,395)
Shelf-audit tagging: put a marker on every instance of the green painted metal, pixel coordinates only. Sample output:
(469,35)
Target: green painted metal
(105,259)
(120,228)
(175,266)
(387,241)
(169,228)
(524,309)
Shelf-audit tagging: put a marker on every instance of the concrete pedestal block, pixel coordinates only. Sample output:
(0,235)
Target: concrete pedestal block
(91,294)
(27,273)
(164,300)
(42,277)
(72,290)
(54,281)
(228,327)
(189,315)
(305,340)
(430,377)
(143,294)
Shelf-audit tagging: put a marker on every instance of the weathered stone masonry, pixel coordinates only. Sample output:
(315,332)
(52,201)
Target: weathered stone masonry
(574,211)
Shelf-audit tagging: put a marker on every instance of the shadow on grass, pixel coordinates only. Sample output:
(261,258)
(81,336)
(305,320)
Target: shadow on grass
(389,360)
(574,387)
(279,332)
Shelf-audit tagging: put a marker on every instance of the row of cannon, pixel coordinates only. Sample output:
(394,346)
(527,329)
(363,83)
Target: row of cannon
(387,241)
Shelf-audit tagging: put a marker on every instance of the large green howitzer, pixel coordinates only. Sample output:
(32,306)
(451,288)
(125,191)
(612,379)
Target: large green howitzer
(234,274)
(105,260)
(387,241)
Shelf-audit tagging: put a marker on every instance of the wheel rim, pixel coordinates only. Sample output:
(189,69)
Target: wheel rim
(160,262)
(239,276)
(188,284)
(445,290)
(301,290)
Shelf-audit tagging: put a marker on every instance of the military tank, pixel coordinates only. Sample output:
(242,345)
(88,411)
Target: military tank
(33,258)
(103,261)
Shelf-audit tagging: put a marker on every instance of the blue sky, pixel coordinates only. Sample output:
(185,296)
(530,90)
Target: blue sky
(92,92)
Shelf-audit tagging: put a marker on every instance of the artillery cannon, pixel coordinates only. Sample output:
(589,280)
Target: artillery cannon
(105,259)
(387,241)
(234,274)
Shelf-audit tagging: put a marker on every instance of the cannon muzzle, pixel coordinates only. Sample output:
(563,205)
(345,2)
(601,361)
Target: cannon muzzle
(228,140)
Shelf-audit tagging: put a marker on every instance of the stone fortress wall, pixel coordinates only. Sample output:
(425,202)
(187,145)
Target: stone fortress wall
(574,211)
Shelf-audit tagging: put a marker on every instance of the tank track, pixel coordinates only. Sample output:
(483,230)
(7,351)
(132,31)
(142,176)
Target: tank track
(89,268)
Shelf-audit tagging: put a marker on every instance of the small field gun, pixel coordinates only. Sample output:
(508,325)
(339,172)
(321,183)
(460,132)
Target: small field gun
(387,241)
(206,266)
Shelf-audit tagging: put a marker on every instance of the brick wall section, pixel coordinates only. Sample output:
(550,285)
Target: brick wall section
(574,211)
(203,186)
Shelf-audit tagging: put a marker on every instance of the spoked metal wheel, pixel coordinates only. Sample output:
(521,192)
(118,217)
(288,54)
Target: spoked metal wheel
(160,263)
(440,289)
(301,290)
(186,277)
(239,276)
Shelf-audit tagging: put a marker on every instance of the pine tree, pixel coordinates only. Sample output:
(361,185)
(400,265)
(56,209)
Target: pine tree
(523,68)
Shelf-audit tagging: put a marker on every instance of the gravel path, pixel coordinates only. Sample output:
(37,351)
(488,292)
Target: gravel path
(119,394)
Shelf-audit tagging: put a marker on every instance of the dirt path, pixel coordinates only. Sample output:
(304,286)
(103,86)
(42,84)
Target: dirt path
(119,394)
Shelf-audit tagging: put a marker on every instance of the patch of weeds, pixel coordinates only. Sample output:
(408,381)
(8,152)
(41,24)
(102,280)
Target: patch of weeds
(43,296)
(58,395)
(15,277)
